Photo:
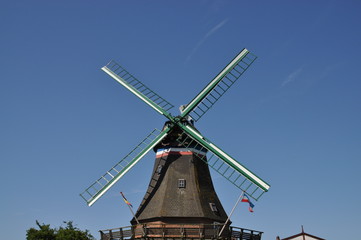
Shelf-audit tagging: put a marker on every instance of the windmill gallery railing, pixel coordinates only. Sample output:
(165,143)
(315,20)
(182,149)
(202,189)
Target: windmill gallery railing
(177,231)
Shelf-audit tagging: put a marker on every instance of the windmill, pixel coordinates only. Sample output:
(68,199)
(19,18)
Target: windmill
(183,155)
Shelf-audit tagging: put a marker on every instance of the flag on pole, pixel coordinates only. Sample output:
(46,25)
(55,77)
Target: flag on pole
(125,200)
(246,199)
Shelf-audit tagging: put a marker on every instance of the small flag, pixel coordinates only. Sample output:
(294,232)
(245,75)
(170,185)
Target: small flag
(125,200)
(246,199)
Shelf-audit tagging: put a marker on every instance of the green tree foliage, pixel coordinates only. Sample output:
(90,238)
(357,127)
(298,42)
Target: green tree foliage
(72,233)
(69,232)
(44,233)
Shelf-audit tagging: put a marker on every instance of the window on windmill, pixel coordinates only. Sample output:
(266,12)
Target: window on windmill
(181,183)
(159,169)
(213,207)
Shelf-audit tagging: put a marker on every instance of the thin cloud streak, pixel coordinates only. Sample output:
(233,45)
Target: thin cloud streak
(208,34)
(292,76)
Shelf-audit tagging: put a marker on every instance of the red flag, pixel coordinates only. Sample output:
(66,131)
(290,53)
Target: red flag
(246,199)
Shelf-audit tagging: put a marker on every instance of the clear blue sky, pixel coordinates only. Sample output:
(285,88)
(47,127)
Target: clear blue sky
(294,117)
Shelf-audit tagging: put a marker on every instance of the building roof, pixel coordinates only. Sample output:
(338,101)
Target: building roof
(303,236)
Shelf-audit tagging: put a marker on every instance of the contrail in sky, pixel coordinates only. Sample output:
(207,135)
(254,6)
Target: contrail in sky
(209,33)
(292,76)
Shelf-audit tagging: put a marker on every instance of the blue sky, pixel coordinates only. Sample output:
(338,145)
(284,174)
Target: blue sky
(293,118)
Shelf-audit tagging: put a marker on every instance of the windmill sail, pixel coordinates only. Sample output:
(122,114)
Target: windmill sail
(224,164)
(219,85)
(220,161)
(151,98)
(100,186)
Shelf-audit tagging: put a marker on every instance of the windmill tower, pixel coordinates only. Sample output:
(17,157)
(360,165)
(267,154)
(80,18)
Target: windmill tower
(181,191)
